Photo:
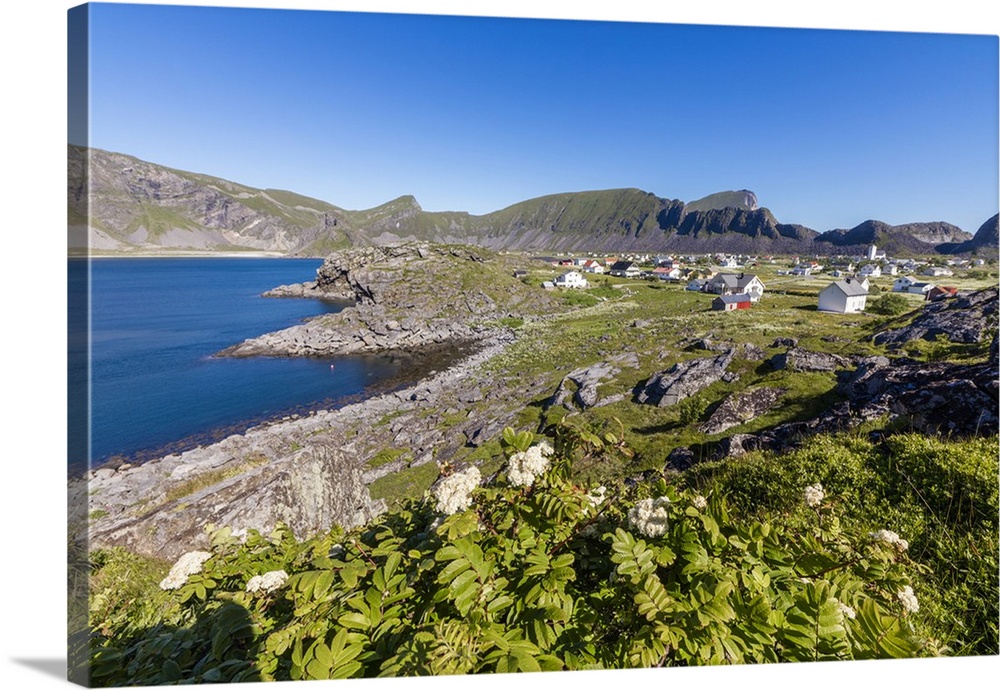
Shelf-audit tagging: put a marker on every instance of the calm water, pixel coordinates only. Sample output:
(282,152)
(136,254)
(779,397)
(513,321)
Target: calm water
(155,326)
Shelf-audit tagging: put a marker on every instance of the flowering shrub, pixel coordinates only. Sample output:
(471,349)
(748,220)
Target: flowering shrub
(454,492)
(814,495)
(649,516)
(891,538)
(188,564)
(510,575)
(268,582)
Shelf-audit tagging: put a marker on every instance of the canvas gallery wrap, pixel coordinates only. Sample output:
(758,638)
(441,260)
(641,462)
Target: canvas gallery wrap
(416,344)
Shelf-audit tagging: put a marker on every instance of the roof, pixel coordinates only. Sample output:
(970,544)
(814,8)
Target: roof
(733,299)
(734,280)
(849,287)
(622,265)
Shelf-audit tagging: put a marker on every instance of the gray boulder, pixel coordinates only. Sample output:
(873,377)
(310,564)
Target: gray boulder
(740,408)
(798,359)
(969,318)
(683,379)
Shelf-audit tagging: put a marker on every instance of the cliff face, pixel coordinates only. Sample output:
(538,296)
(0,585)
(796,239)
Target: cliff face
(134,205)
(985,241)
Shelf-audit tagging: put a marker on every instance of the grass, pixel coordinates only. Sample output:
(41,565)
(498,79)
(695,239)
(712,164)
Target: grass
(940,494)
(408,483)
(387,455)
(207,479)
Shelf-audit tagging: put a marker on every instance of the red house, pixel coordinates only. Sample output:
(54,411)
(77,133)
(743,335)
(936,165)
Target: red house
(731,302)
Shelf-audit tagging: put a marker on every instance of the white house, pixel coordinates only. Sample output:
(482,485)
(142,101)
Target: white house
(625,269)
(937,271)
(571,279)
(696,285)
(846,296)
(735,284)
(903,283)
(872,270)
(920,288)
(665,273)
(591,266)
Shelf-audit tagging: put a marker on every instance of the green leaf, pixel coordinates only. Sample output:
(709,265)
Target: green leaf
(171,671)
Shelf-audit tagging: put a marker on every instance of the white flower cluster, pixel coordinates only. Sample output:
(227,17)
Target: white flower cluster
(814,495)
(268,582)
(890,538)
(649,516)
(908,599)
(596,496)
(454,492)
(188,564)
(699,502)
(523,468)
(847,611)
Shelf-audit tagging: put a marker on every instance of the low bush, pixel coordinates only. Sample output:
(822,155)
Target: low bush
(533,571)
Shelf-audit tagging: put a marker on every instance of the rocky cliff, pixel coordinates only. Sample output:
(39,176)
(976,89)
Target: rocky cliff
(133,205)
(898,240)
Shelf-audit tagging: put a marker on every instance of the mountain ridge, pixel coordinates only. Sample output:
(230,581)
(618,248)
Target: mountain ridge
(141,207)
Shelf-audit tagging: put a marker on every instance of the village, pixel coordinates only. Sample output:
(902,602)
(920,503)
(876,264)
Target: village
(736,281)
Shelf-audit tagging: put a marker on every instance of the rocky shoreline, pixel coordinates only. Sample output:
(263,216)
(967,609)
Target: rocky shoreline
(309,472)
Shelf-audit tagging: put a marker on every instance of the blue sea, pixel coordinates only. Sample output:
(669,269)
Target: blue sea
(155,325)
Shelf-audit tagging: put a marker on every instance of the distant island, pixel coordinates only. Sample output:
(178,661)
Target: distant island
(137,207)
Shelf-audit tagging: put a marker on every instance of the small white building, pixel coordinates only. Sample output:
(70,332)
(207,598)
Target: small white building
(847,296)
(696,285)
(871,270)
(937,271)
(920,288)
(571,279)
(903,283)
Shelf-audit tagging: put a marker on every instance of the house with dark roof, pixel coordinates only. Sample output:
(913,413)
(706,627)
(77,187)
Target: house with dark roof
(846,296)
(624,269)
(735,284)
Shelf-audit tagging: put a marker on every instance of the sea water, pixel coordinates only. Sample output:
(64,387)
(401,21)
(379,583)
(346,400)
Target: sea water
(155,326)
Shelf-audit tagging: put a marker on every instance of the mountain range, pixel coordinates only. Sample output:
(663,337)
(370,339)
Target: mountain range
(134,206)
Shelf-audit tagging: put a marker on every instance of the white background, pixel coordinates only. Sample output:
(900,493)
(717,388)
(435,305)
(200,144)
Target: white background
(32,598)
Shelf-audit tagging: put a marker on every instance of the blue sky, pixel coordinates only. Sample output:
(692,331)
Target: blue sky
(827,127)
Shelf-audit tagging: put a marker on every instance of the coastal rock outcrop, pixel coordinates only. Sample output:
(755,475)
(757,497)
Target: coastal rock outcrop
(404,296)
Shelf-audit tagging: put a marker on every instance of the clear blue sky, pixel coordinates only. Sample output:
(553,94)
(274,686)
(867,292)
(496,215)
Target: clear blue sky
(828,127)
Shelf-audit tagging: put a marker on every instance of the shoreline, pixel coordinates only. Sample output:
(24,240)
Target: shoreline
(276,465)
(426,363)
(193,255)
